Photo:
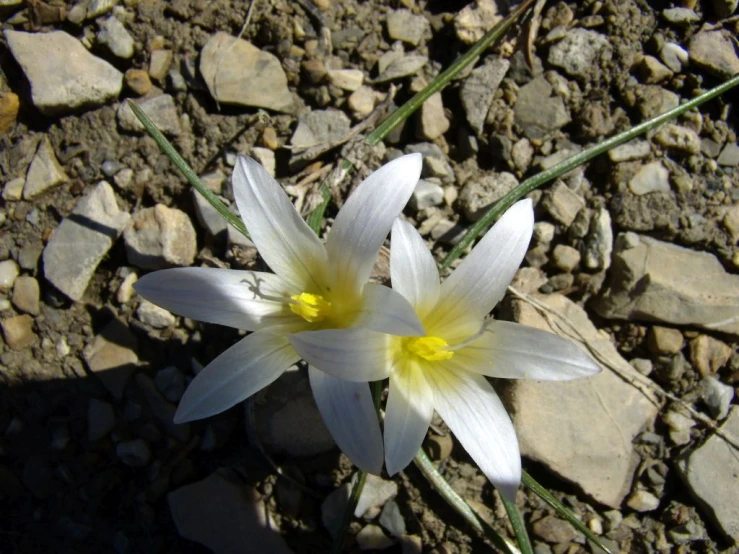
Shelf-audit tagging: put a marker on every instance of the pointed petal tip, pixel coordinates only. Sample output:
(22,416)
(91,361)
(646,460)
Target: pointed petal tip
(508,490)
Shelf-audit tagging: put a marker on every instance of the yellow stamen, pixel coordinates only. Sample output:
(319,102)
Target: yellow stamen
(311,307)
(432,349)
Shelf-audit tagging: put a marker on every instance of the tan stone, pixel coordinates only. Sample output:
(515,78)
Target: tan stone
(18,332)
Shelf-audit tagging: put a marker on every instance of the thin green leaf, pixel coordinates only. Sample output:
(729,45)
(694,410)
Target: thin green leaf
(519,527)
(360,477)
(572,162)
(186,170)
(547,497)
(439,484)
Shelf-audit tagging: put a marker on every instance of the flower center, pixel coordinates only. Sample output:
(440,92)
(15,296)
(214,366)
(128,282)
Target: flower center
(311,307)
(432,349)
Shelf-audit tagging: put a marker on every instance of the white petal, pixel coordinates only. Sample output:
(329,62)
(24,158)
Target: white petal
(412,268)
(365,220)
(387,311)
(290,248)
(222,296)
(410,406)
(351,354)
(512,351)
(349,413)
(247,367)
(478,284)
(469,406)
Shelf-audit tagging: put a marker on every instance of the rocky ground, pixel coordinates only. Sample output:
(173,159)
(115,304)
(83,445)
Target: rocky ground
(635,256)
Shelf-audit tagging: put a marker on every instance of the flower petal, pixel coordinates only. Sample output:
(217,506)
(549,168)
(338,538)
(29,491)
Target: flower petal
(478,284)
(222,296)
(410,407)
(512,351)
(290,248)
(350,354)
(349,413)
(387,311)
(247,367)
(412,268)
(469,406)
(365,220)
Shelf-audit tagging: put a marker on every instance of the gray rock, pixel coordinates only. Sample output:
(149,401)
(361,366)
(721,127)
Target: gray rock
(112,357)
(154,316)
(434,161)
(266,159)
(375,493)
(160,237)
(26,295)
(288,421)
(63,75)
(715,52)
(332,508)
(657,281)
(653,100)
(44,171)
(633,150)
(100,419)
(236,72)
(99,7)
(680,16)
(562,204)
(403,25)
(537,111)
(479,194)
(725,8)
(162,409)
(643,501)
(114,36)
(664,340)
(134,453)
(599,241)
(320,127)
(729,155)
(677,137)
(393,65)
(710,472)
(208,216)
(346,79)
(579,52)
(478,89)
(13,189)
(82,240)
(432,122)
(652,71)
(582,429)
(371,537)
(426,194)
(717,397)
(651,177)
(392,520)
(522,153)
(553,530)
(160,61)
(565,257)
(222,526)
(674,56)
(160,109)
(171,383)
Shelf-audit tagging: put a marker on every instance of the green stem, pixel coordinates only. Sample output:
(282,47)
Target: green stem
(572,162)
(186,170)
(519,527)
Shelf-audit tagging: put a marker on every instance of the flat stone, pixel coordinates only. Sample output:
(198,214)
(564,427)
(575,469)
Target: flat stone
(362,102)
(565,257)
(715,52)
(63,75)
(674,56)
(320,127)
(372,537)
(82,240)
(26,295)
(658,281)
(562,203)
(407,27)
(680,16)
(677,137)
(476,19)
(162,409)
(653,100)
(633,150)
(537,111)
(599,241)
(116,38)
(160,61)
(222,526)
(160,237)
(99,7)
(653,71)
(554,530)
(375,493)
(236,72)
(112,357)
(100,419)
(664,340)
(724,8)
(643,501)
(208,217)
(708,354)
(478,89)
(710,472)
(346,79)
(154,316)
(582,429)
(392,520)
(432,122)
(394,66)
(651,177)
(160,109)
(729,155)
(8,274)
(171,383)
(579,52)
(266,159)
(18,332)
(717,397)
(138,81)
(13,189)
(44,171)
(480,193)
(426,194)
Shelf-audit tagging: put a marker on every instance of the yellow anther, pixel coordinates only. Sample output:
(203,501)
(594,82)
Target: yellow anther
(432,349)
(311,307)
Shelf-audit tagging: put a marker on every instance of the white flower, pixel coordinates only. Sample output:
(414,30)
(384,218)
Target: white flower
(445,368)
(314,286)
